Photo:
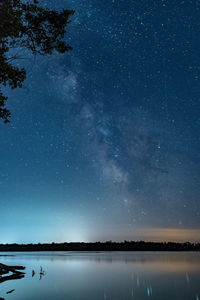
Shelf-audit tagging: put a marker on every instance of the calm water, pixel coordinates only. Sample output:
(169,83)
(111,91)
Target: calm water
(100,276)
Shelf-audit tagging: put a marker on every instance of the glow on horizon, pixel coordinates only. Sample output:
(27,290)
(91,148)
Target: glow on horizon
(167,234)
(76,235)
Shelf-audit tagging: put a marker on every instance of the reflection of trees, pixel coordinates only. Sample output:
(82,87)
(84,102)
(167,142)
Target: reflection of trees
(15,273)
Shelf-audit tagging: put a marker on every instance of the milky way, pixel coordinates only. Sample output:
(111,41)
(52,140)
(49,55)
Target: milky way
(104,141)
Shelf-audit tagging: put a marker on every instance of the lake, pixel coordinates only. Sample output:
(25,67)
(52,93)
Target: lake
(104,276)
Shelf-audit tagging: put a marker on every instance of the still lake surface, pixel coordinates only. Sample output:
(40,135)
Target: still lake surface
(104,276)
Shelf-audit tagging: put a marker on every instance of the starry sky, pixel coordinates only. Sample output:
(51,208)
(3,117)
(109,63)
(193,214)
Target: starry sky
(104,142)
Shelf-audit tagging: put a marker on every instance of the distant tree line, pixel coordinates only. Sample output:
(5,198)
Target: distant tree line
(103,246)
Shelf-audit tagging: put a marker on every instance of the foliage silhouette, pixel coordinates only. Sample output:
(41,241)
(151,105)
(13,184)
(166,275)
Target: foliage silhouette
(103,246)
(26,24)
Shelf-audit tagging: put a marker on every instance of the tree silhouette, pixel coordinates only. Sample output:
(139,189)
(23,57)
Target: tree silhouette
(27,25)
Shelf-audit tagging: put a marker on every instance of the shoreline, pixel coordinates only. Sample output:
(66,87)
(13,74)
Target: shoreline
(110,246)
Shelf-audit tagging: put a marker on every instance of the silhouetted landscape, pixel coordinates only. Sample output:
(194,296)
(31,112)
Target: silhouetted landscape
(10,273)
(99,158)
(103,246)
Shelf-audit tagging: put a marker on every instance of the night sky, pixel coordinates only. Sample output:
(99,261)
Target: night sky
(104,141)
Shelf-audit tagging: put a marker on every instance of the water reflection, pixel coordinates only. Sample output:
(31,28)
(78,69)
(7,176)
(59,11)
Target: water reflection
(42,272)
(5,275)
(117,276)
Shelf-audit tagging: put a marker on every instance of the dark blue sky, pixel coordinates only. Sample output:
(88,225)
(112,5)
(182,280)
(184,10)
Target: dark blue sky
(104,140)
